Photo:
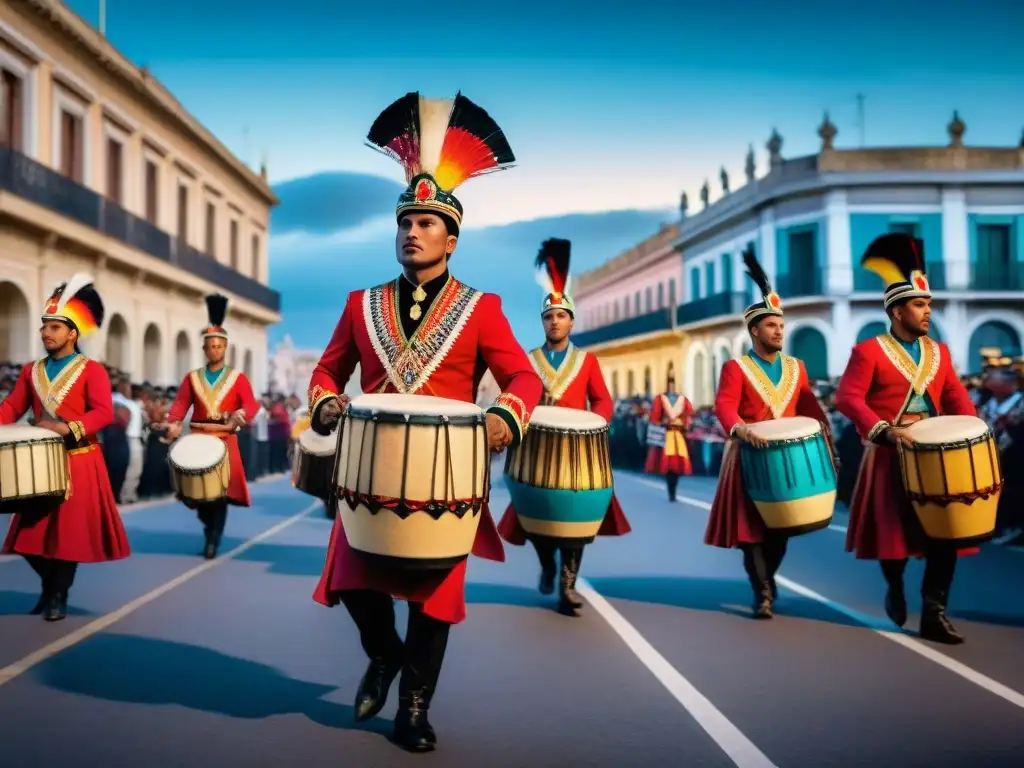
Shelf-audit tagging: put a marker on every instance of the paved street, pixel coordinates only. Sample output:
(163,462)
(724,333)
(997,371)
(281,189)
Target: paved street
(170,661)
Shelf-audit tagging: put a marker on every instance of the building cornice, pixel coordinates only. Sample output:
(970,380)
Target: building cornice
(648,252)
(141,82)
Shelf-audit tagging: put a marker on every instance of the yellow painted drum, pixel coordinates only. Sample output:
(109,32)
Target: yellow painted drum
(560,475)
(412,477)
(953,478)
(200,470)
(33,466)
(792,480)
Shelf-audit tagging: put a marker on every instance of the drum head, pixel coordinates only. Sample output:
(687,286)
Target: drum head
(792,428)
(413,404)
(947,429)
(197,452)
(24,433)
(565,418)
(316,444)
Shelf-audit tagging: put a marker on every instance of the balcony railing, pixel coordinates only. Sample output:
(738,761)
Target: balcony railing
(24,177)
(997,276)
(659,320)
(716,305)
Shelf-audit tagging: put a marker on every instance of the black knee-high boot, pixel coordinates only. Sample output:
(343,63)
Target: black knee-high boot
(895,597)
(213,516)
(940,566)
(425,643)
(43,567)
(548,568)
(672,481)
(374,616)
(62,576)
(569,601)
(775,552)
(756,565)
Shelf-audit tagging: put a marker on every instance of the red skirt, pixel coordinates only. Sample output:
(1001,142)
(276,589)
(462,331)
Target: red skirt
(442,593)
(614,524)
(734,519)
(883,525)
(86,528)
(674,457)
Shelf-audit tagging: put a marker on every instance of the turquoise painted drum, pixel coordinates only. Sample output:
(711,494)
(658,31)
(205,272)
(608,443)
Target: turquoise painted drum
(560,475)
(792,481)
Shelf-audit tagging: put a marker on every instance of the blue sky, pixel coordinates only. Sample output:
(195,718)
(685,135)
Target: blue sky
(604,108)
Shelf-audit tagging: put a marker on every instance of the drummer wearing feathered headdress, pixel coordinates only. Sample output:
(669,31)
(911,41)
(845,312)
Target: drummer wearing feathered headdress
(423,333)
(572,379)
(222,402)
(764,384)
(68,394)
(890,382)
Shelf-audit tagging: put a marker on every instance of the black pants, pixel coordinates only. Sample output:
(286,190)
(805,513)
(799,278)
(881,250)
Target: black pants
(57,576)
(672,480)
(426,639)
(939,569)
(571,554)
(213,516)
(762,561)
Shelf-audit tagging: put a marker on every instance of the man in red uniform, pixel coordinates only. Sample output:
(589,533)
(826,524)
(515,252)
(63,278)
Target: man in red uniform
(673,412)
(222,402)
(423,333)
(762,385)
(69,394)
(890,382)
(571,378)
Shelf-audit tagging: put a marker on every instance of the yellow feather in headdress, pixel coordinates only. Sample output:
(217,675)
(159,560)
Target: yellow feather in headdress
(893,257)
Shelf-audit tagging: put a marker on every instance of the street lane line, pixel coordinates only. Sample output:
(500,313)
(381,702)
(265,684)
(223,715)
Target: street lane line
(883,628)
(96,626)
(727,736)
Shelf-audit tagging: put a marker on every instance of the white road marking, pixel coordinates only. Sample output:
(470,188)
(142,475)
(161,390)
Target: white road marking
(12,671)
(727,736)
(880,626)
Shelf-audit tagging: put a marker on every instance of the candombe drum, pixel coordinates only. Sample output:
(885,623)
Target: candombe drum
(952,477)
(33,466)
(200,471)
(792,480)
(412,477)
(314,462)
(560,475)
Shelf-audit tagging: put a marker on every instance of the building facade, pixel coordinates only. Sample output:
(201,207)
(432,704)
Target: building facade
(103,171)
(625,312)
(810,219)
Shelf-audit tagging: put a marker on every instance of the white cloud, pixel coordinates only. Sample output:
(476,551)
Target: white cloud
(372,231)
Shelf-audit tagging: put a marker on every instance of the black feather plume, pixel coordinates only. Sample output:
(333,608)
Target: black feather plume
(474,119)
(216,309)
(554,257)
(395,132)
(755,271)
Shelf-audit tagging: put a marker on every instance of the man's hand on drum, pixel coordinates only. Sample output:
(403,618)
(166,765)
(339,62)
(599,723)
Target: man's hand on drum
(498,433)
(330,411)
(59,427)
(897,436)
(237,418)
(744,433)
(173,431)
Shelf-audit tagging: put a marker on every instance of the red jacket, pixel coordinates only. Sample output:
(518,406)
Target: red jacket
(577,382)
(664,414)
(464,334)
(746,395)
(876,383)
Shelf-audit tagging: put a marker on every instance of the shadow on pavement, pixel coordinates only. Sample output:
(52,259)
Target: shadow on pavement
(139,670)
(986,617)
(288,559)
(507,594)
(185,543)
(731,596)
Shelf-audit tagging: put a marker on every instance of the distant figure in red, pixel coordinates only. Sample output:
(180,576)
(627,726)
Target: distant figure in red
(69,394)
(892,381)
(222,402)
(674,413)
(762,385)
(571,378)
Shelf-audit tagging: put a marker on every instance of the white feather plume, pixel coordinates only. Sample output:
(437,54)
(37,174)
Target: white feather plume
(544,281)
(434,117)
